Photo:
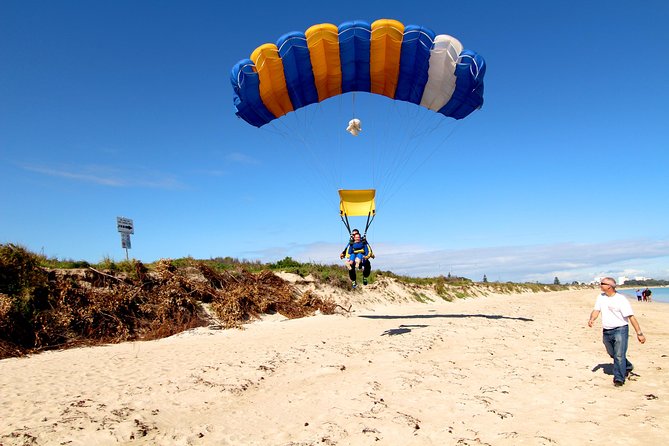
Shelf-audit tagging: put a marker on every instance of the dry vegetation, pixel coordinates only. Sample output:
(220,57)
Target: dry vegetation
(47,304)
(45,309)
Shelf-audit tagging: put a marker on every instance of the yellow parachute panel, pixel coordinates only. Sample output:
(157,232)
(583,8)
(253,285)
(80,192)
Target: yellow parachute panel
(357,202)
(273,90)
(323,43)
(384,61)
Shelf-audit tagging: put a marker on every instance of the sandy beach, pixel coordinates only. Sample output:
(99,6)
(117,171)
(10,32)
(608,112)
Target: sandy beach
(518,369)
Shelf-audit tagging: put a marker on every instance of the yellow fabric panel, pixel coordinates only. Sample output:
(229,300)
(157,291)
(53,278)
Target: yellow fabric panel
(323,43)
(273,90)
(384,61)
(357,202)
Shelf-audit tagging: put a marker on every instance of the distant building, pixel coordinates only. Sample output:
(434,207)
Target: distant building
(620,280)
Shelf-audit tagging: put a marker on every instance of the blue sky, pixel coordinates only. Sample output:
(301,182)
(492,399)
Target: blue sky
(124,109)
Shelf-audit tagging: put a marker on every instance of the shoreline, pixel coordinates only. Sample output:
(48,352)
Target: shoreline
(499,369)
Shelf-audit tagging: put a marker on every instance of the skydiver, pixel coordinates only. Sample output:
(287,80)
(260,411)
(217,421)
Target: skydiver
(364,263)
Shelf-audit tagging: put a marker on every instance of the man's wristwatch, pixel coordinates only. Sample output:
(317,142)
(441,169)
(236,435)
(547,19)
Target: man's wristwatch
(639,334)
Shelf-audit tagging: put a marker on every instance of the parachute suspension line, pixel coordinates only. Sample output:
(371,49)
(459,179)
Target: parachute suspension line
(425,126)
(401,163)
(402,148)
(408,136)
(354,127)
(370,160)
(273,127)
(381,170)
(297,141)
(297,137)
(370,219)
(369,222)
(341,151)
(344,218)
(438,146)
(423,123)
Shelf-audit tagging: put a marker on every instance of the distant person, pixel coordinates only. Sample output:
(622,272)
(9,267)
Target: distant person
(365,264)
(648,293)
(617,314)
(644,293)
(639,295)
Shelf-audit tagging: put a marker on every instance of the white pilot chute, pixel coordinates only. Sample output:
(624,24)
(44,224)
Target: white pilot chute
(354,127)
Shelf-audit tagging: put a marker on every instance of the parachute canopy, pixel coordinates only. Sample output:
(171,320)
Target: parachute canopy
(406,63)
(356,203)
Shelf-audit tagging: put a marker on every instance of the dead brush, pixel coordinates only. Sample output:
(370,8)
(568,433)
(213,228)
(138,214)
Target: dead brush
(90,306)
(243,296)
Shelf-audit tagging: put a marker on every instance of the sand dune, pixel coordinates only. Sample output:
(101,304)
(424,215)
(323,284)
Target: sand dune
(500,370)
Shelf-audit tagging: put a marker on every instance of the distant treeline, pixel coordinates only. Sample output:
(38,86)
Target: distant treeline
(646,283)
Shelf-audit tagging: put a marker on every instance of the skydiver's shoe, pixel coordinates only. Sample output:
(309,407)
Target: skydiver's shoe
(354,285)
(364,280)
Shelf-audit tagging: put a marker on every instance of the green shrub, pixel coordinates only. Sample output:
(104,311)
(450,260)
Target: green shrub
(64,264)
(20,270)
(25,286)
(124,266)
(285,263)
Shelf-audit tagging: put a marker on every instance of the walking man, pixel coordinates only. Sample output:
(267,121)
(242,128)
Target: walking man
(617,314)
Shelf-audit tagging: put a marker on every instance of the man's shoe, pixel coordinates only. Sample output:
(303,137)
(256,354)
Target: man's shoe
(364,280)
(618,383)
(354,284)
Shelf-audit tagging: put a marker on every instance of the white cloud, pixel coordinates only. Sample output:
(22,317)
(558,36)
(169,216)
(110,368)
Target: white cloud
(109,176)
(541,263)
(241,158)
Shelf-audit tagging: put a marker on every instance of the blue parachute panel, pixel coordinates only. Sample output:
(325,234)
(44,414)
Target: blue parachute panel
(474,99)
(468,94)
(246,94)
(354,50)
(294,54)
(414,63)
